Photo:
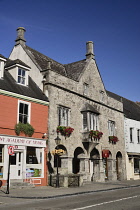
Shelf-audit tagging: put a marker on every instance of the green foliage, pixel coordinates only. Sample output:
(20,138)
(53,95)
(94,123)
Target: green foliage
(27,129)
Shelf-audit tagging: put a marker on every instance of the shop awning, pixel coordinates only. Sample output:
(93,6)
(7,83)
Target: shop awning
(105,153)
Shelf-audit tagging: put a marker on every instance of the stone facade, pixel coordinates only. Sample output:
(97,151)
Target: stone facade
(80,92)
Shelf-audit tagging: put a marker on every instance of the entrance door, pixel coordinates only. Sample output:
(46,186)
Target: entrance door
(16,165)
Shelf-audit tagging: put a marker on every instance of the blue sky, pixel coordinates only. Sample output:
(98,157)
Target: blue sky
(60,29)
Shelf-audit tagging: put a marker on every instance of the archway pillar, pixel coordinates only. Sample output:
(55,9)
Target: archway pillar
(102,171)
(69,164)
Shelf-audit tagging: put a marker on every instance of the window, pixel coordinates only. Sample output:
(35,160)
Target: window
(138,135)
(131,135)
(21,76)
(86,87)
(90,121)
(34,155)
(63,116)
(136,165)
(23,115)
(102,96)
(111,128)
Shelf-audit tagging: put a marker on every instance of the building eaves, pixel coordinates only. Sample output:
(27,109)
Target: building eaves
(14,62)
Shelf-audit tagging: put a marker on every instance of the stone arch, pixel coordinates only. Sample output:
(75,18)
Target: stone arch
(95,154)
(78,156)
(119,165)
(60,146)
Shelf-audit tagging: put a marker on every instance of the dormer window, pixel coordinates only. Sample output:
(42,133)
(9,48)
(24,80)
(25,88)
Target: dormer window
(19,71)
(21,76)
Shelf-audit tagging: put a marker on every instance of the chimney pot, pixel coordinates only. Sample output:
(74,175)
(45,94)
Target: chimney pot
(20,36)
(89,49)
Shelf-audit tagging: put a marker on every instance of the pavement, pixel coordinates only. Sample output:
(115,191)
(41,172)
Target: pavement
(19,195)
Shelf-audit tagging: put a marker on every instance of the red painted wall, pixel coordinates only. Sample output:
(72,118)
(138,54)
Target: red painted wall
(8,116)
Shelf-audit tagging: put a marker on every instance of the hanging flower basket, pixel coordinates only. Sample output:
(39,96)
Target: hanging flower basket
(95,134)
(27,129)
(64,131)
(113,139)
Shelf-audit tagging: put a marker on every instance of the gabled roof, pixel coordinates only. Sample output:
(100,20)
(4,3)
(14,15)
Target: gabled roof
(131,109)
(32,90)
(14,62)
(72,70)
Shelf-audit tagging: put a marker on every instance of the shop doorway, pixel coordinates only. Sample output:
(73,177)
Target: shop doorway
(16,166)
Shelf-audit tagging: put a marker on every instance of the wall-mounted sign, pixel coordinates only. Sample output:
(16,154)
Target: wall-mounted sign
(22,141)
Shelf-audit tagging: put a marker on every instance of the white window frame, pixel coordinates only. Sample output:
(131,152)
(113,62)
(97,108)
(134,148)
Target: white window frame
(29,110)
(92,121)
(63,116)
(111,128)
(25,77)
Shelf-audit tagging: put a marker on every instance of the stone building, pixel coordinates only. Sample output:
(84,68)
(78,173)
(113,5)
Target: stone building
(78,99)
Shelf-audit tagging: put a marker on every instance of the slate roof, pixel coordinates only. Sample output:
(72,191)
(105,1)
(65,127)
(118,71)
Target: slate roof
(130,108)
(13,62)
(72,70)
(32,90)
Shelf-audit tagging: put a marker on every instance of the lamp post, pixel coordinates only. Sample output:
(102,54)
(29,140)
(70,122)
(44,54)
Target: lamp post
(57,141)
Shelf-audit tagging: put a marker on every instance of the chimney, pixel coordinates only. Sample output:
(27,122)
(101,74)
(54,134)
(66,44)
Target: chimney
(89,48)
(20,36)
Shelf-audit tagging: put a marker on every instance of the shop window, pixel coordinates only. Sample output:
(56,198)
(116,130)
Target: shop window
(136,165)
(63,116)
(34,155)
(1,171)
